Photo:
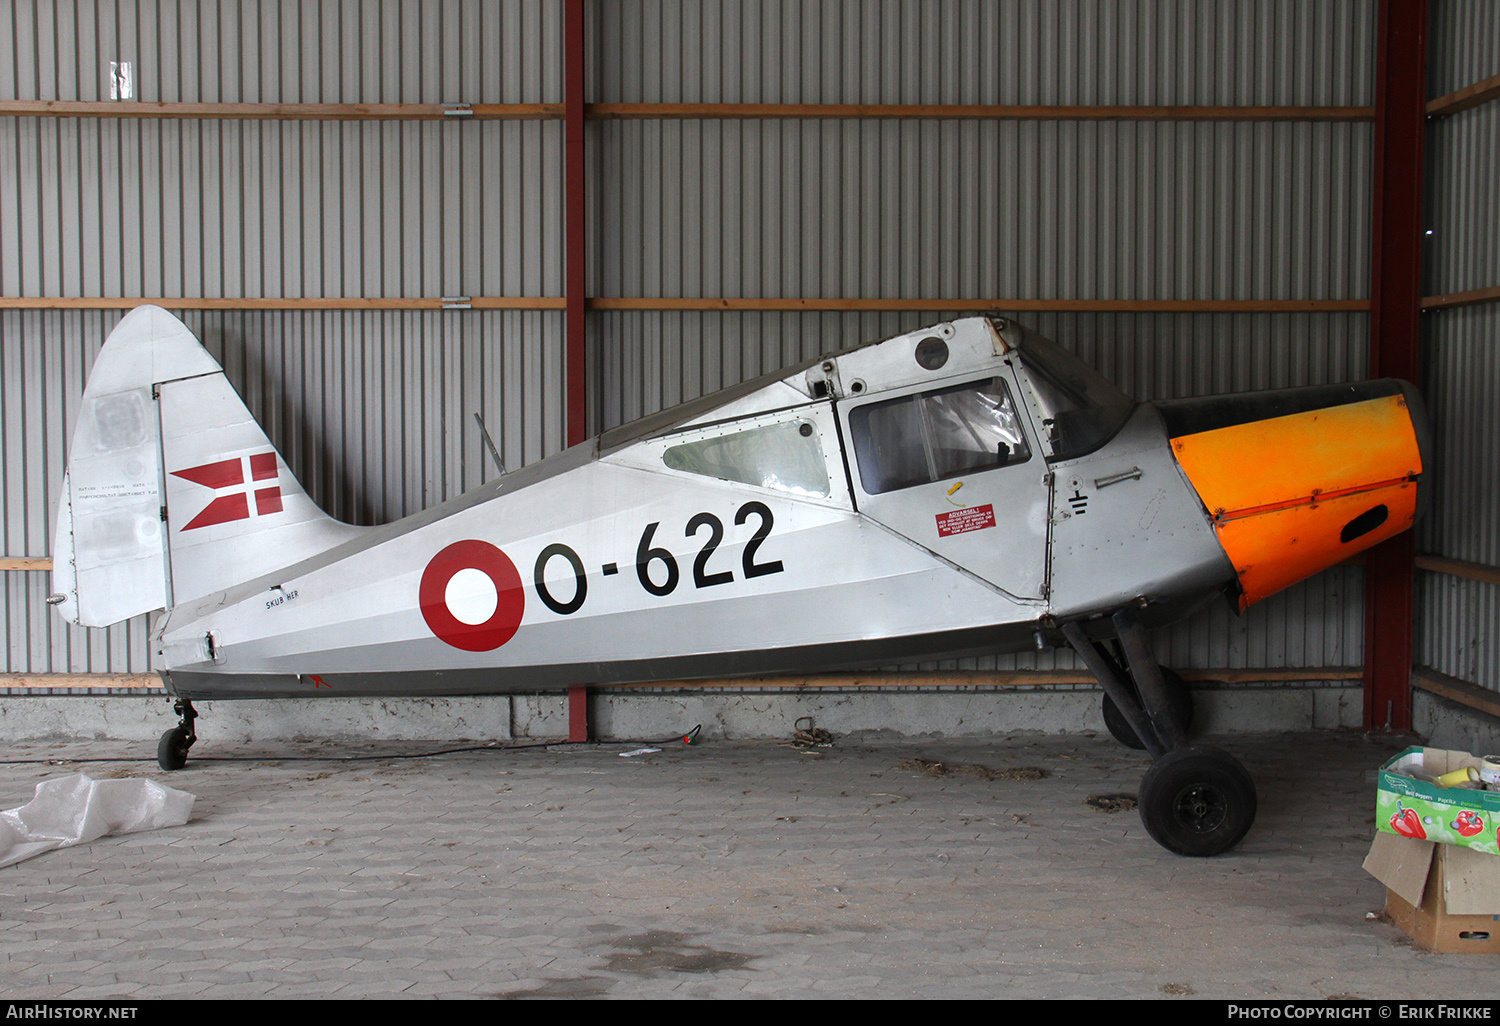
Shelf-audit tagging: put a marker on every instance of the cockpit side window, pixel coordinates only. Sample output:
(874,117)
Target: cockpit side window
(932,436)
(785,456)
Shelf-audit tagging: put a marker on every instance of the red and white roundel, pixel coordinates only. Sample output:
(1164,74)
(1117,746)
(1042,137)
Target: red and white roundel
(471,596)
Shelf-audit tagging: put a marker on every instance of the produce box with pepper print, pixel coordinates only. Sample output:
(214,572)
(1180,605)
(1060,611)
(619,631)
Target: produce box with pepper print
(1424,811)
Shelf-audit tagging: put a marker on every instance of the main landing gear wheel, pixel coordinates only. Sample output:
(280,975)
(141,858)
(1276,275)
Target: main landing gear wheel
(1197,801)
(1179,697)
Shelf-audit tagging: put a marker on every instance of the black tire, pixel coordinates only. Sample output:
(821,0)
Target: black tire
(1178,695)
(172,749)
(1197,801)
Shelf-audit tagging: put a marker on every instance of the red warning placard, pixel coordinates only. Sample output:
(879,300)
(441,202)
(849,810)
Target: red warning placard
(962,521)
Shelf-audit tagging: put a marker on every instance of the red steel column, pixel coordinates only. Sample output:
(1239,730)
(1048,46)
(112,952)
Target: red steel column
(576,284)
(1395,315)
(576,242)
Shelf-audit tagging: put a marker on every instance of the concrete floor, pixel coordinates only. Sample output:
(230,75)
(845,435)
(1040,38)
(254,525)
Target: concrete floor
(728,869)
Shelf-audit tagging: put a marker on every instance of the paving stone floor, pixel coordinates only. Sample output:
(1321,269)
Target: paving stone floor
(727,869)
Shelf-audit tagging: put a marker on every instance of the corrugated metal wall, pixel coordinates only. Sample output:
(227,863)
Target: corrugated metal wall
(1463,44)
(1017,209)
(223,208)
(285,51)
(1022,210)
(1145,52)
(280,208)
(874,209)
(1458,620)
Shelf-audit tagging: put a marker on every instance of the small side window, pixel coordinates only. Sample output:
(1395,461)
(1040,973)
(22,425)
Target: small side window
(787,457)
(931,436)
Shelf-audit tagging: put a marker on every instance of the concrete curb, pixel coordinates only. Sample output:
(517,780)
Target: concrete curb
(633,716)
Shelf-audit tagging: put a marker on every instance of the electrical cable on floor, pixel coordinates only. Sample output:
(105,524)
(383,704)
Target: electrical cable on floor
(690,738)
(809,736)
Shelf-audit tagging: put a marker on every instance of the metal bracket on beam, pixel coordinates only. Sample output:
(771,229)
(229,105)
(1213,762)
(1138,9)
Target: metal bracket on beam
(458,110)
(457,303)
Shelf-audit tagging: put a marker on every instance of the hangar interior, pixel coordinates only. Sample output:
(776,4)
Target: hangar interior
(388,219)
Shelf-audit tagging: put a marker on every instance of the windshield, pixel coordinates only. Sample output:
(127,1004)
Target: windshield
(1080,409)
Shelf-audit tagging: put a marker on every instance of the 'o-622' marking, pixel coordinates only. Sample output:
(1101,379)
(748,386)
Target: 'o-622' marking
(656,567)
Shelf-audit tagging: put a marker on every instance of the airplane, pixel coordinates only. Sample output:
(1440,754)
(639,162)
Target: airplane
(967,488)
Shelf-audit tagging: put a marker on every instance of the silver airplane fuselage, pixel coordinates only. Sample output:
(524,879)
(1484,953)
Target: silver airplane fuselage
(908,499)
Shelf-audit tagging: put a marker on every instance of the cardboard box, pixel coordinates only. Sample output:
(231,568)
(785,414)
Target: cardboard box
(1423,811)
(1446,898)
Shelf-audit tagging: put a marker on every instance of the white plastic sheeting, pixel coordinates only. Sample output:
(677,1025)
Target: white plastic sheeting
(71,810)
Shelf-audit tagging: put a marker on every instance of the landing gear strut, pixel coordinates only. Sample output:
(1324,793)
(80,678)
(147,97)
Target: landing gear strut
(172,749)
(1194,800)
(1179,699)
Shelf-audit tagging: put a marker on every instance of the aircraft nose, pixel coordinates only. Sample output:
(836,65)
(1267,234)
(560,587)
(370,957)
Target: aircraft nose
(1297,480)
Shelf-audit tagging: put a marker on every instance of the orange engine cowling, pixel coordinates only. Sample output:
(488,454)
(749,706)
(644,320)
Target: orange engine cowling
(1298,480)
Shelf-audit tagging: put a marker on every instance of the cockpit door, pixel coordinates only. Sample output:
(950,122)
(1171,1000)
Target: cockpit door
(956,468)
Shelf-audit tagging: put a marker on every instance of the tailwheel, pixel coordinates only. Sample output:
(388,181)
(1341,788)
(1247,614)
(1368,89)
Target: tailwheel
(1197,801)
(172,749)
(1179,698)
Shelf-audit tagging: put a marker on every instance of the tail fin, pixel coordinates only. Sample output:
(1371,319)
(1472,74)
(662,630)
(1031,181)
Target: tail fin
(173,490)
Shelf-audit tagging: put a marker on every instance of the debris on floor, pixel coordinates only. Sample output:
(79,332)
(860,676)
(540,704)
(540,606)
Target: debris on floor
(1111,802)
(74,809)
(962,769)
(805,735)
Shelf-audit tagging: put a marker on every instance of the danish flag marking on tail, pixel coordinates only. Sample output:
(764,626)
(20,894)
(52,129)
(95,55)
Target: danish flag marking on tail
(237,478)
